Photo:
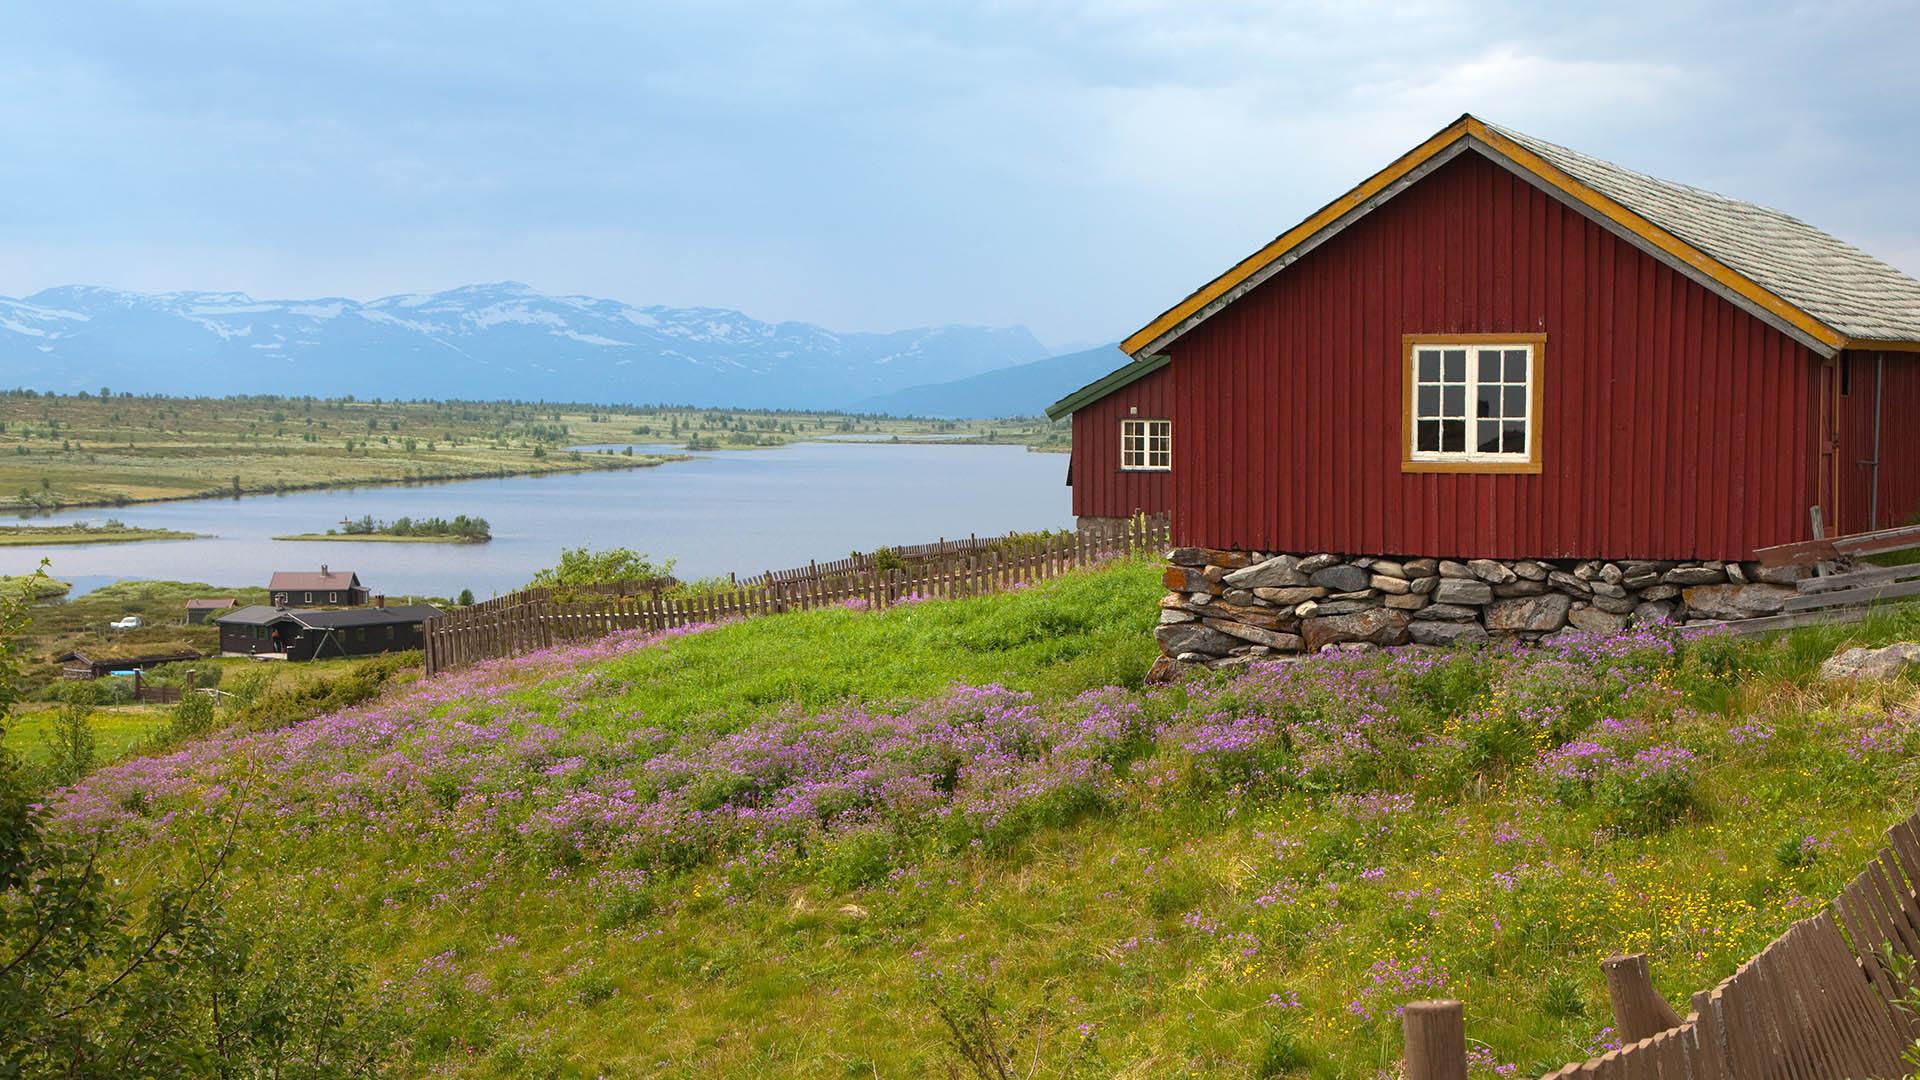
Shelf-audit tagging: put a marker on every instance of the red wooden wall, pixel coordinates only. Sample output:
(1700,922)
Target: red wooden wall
(1100,487)
(1899,440)
(1674,425)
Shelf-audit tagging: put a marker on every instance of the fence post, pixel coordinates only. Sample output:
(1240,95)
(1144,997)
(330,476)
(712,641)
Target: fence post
(1436,1040)
(1639,1012)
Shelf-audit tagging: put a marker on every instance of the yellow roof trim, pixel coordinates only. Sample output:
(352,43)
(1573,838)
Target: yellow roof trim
(1626,219)
(1293,237)
(1878,345)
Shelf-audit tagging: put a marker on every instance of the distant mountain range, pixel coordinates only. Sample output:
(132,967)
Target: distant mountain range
(502,340)
(1022,390)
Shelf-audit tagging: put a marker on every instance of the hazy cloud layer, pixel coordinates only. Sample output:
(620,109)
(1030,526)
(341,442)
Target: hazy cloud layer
(1073,167)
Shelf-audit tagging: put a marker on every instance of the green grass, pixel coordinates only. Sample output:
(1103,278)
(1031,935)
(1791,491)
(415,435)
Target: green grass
(1084,630)
(1198,924)
(382,538)
(117,730)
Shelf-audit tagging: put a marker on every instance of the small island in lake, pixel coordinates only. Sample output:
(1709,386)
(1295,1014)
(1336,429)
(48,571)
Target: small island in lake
(460,529)
(84,532)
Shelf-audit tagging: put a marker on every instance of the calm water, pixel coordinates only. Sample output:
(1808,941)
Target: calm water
(743,511)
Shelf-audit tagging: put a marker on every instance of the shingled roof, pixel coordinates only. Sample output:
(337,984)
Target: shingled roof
(1812,286)
(1819,273)
(305,580)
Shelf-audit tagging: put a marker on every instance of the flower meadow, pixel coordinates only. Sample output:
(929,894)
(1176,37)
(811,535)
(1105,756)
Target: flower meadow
(546,870)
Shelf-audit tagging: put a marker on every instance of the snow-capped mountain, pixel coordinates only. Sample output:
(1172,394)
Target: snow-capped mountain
(502,340)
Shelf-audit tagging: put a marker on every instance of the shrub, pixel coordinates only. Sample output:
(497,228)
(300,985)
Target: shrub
(1650,791)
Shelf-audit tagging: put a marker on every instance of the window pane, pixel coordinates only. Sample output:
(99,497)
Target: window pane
(1489,365)
(1487,436)
(1456,365)
(1514,439)
(1516,402)
(1516,365)
(1489,401)
(1455,403)
(1429,365)
(1453,436)
(1429,435)
(1429,401)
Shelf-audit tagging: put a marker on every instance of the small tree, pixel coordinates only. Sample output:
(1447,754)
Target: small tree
(70,743)
(585,566)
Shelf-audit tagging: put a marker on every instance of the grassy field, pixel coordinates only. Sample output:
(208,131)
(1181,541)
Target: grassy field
(111,532)
(60,451)
(791,846)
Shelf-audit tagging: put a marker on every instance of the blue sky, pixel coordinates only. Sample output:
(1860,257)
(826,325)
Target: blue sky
(1074,167)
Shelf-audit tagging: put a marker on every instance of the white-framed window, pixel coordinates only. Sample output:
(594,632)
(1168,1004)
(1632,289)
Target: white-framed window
(1473,401)
(309,599)
(1146,445)
(333,598)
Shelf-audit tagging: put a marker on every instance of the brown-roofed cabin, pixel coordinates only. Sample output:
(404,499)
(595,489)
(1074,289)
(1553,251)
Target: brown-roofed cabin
(1498,348)
(101,662)
(199,608)
(328,588)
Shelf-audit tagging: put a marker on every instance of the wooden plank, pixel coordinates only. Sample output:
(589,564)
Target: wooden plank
(1864,595)
(1806,552)
(1769,623)
(1876,575)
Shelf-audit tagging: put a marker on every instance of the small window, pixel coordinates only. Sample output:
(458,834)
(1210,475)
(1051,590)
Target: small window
(1473,403)
(333,598)
(1146,444)
(309,599)
(389,633)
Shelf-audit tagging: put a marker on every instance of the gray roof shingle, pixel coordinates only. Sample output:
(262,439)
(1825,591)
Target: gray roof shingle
(1822,275)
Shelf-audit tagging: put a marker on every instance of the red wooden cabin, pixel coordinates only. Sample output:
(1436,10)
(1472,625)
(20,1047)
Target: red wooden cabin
(1497,347)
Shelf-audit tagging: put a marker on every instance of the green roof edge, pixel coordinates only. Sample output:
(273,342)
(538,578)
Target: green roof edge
(1108,383)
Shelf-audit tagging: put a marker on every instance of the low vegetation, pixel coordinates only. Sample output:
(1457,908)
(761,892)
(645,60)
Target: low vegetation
(460,529)
(107,532)
(955,835)
(112,449)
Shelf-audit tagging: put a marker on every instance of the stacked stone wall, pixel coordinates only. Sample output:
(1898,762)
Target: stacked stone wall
(1227,607)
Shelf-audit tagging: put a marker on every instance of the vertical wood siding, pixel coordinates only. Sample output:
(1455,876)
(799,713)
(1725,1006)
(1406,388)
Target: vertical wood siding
(1100,487)
(1674,425)
(1899,441)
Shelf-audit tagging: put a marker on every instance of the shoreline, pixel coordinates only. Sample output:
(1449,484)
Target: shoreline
(23,514)
(63,536)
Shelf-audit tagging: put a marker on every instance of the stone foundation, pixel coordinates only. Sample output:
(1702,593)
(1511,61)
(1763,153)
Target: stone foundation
(1229,607)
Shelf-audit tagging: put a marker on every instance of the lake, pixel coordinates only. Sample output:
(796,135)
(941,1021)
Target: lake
(743,511)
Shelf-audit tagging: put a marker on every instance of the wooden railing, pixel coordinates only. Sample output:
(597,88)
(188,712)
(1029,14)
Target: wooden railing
(1830,999)
(528,621)
(1840,596)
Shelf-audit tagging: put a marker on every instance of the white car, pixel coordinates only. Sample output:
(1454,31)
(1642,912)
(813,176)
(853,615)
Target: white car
(130,622)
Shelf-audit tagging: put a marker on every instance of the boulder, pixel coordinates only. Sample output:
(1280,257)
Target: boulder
(1491,571)
(1188,556)
(1872,663)
(1346,607)
(1240,597)
(1289,595)
(1659,592)
(1169,616)
(1272,639)
(1394,586)
(1339,579)
(1418,568)
(1378,626)
(1532,570)
(1611,573)
(1529,613)
(1407,601)
(1424,585)
(1568,583)
(1736,601)
(1596,620)
(1653,611)
(1776,575)
(1357,594)
(1694,575)
(1453,590)
(1619,605)
(1446,633)
(1232,560)
(1186,579)
(1389,568)
(1251,614)
(1452,569)
(1640,579)
(1180,639)
(1448,613)
(1316,563)
(1281,570)
(1519,587)
(1603,587)
(1307,610)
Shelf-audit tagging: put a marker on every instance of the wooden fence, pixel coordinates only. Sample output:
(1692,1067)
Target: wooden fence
(1838,597)
(1827,1000)
(527,621)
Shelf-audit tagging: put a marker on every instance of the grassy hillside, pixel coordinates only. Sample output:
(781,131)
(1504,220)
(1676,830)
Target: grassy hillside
(863,844)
